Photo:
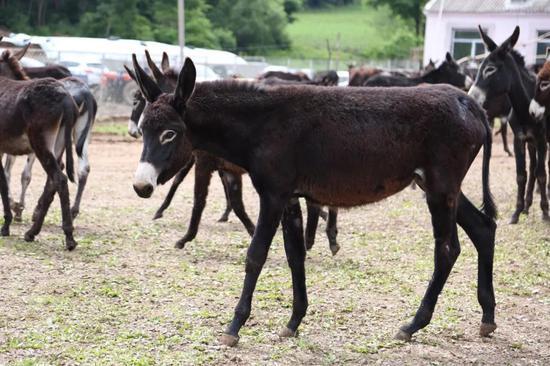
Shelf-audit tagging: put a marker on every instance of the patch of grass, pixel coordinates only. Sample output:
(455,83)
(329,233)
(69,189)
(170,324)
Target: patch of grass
(111,128)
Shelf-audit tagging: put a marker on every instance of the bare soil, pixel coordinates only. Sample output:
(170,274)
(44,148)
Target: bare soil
(125,296)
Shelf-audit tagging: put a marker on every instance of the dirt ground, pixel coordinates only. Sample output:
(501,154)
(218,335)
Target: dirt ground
(125,296)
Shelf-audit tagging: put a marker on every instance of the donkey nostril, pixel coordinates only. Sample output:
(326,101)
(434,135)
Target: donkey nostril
(144,191)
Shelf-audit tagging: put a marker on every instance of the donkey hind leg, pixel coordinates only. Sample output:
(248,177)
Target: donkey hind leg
(447,248)
(504,133)
(313,213)
(295,255)
(521,177)
(540,173)
(60,184)
(8,165)
(481,230)
(532,149)
(271,210)
(332,230)
(203,175)
(173,188)
(83,166)
(5,231)
(235,191)
(41,210)
(226,190)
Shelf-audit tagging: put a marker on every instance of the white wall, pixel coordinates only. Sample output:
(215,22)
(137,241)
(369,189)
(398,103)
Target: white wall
(439,34)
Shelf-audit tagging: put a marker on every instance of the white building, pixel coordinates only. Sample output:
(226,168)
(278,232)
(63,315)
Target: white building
(451,25)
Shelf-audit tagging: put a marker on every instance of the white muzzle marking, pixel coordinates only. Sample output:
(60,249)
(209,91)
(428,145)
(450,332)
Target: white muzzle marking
(537,111)
(146,174)
(133,129)
(478,94)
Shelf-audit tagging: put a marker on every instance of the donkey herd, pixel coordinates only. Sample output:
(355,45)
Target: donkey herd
(343,147)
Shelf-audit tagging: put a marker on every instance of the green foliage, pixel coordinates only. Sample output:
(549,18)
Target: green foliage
(407,9)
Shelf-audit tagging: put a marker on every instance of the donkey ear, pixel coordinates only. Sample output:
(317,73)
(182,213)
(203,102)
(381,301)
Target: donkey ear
(547,53)
(491,45)
(157,74)
(131,73)
(19,54)
(449,58)
(186,84)
(165,63)
(509,44)
(148,87)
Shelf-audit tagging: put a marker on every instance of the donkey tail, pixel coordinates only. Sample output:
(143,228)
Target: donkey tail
(489,207)
(90,106)
(70,115)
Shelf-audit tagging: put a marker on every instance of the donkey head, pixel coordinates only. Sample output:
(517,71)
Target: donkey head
(10,66)
(541,101)
(448,73)
(495,77)
(166,148)
(166,79)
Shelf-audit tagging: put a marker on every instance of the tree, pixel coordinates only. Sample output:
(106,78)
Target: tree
(407,9)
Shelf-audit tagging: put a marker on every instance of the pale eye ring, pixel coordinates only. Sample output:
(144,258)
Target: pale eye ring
(544,85)
(489,70)
(167,136)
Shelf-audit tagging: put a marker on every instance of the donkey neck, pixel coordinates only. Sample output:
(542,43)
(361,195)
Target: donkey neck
(521,91)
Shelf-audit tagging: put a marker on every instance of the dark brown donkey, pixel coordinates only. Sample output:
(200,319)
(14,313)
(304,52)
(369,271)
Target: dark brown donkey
(340,147)
(37,116)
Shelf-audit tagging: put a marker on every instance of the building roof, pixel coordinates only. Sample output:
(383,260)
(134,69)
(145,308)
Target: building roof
(489,6)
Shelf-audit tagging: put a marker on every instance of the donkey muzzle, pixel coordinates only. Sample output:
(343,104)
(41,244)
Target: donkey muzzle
(145,180)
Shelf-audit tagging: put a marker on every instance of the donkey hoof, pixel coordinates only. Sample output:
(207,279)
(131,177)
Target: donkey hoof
(5,231)
(286,332)
(17,218)
(70,245)
(486,329)
(180,244)
(28,237)
(545,217)
(334,249)
(223,219)
(229,340)
(514,220)
(403,336)
(158,215)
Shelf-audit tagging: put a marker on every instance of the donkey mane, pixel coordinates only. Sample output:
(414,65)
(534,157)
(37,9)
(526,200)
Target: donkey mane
(239,91)
(518,57)
(14,65)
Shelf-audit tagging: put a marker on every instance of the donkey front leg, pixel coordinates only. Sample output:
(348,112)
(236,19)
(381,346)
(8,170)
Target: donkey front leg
(540,172)
(203,175)
(532,149)
(521,177)
(5,231)
(270,214)
(234,183)
(481,230)
(332,230)
(175,184)
(226,190)
(295,255)
(8,165)
(447,248)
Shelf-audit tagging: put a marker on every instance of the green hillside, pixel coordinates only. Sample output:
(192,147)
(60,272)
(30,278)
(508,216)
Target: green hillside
(365,32)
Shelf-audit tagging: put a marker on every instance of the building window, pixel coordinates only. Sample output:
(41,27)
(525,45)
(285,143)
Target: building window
(466,43)
(542,44)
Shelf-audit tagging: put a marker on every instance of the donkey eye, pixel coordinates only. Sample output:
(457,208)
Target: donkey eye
(167,136)
(489,70)
(544,85)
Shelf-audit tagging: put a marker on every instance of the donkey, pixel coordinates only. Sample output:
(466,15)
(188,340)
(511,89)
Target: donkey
(205,164)
(340,147)
(503,73)
(540,104)
(447,73)
(82,135)
(37,116)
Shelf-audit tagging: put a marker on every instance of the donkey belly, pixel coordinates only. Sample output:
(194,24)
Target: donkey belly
(19,145)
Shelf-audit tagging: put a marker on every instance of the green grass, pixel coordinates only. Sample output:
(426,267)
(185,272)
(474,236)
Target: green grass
(362,29)
(111,128)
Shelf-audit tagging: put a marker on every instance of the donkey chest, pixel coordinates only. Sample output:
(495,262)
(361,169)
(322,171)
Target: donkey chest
(19,145)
